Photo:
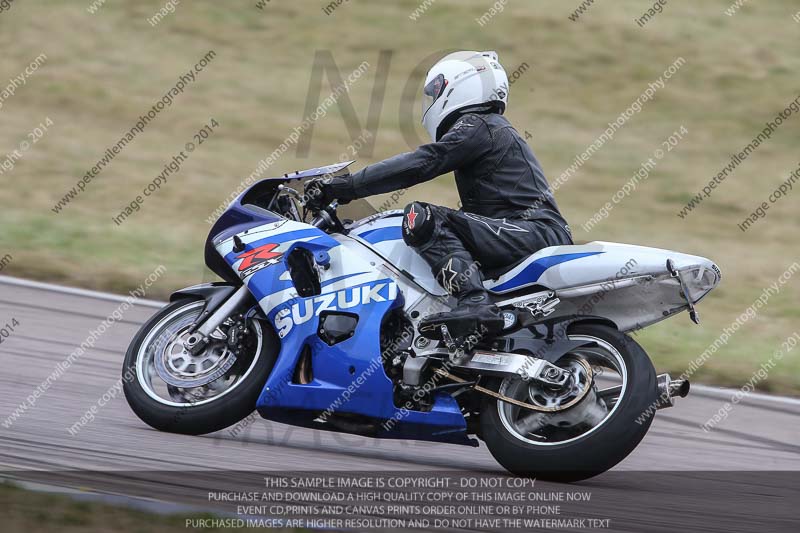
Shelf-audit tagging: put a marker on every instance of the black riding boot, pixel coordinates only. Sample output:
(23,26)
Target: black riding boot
(474,314)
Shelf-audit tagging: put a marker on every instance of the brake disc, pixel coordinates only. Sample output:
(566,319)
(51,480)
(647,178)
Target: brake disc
(179,368)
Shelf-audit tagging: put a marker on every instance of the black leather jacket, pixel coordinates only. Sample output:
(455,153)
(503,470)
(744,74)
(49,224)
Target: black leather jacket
(496,172)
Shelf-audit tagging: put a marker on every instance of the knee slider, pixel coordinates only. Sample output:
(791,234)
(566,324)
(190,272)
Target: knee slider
(418,223)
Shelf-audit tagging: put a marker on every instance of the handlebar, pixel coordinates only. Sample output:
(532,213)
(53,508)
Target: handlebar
(326,218)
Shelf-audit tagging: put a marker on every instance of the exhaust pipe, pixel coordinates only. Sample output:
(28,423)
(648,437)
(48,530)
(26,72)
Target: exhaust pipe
(669,388)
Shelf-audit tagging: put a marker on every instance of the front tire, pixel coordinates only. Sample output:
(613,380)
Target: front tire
(194,410)
(561,456)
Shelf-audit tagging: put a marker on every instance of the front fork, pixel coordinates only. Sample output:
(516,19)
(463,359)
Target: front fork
(202,329)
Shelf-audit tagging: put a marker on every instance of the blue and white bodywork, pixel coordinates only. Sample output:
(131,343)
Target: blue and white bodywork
(368,271)
(317,324)
(354,279)
(617,281)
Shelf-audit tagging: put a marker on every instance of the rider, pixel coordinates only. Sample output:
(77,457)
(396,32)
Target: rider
(508,212)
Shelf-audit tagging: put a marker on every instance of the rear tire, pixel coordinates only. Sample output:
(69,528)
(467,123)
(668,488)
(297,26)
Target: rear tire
(199,417)
(596,451)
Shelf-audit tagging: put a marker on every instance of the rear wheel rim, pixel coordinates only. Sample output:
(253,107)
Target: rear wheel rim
(163,337)
(546,429)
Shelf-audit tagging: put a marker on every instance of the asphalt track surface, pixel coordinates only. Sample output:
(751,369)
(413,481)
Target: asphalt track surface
(741,475)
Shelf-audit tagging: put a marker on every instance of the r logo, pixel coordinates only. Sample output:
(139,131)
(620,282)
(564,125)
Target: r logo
(258,258)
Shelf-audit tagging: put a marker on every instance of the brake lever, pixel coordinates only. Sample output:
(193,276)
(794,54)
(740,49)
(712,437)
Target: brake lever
(291,191)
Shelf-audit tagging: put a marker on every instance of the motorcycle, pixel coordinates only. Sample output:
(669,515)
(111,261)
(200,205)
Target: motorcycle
(314,324)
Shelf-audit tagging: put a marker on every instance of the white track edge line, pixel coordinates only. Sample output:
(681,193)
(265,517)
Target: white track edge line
(726,392)
(86,293)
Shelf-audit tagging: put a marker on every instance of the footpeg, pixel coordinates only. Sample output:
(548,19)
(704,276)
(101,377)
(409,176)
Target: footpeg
(454,349)
(448,339)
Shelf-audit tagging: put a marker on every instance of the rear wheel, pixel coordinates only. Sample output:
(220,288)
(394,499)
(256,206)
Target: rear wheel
(173,390)
(591,435)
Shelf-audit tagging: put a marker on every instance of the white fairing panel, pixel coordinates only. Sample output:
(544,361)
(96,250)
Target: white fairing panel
(559,267)
(384,235)
(627,284)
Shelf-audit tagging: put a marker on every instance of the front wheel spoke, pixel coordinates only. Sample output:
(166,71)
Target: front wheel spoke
(175,363)
(212,358)
(172,373)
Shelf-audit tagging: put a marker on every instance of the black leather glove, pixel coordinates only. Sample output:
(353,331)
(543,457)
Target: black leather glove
(319,192)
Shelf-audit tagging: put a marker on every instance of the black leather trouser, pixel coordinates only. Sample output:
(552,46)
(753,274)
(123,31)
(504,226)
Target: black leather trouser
(440,233)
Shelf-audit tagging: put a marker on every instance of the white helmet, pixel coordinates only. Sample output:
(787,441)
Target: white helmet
(461,80)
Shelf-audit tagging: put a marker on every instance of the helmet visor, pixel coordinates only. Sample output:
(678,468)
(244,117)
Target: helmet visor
(432,91)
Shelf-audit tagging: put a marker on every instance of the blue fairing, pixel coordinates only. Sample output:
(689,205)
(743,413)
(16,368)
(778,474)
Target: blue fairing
(348,377)
(389,233)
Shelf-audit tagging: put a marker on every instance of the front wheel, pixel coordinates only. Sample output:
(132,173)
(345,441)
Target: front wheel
(609,411)
(176,391)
